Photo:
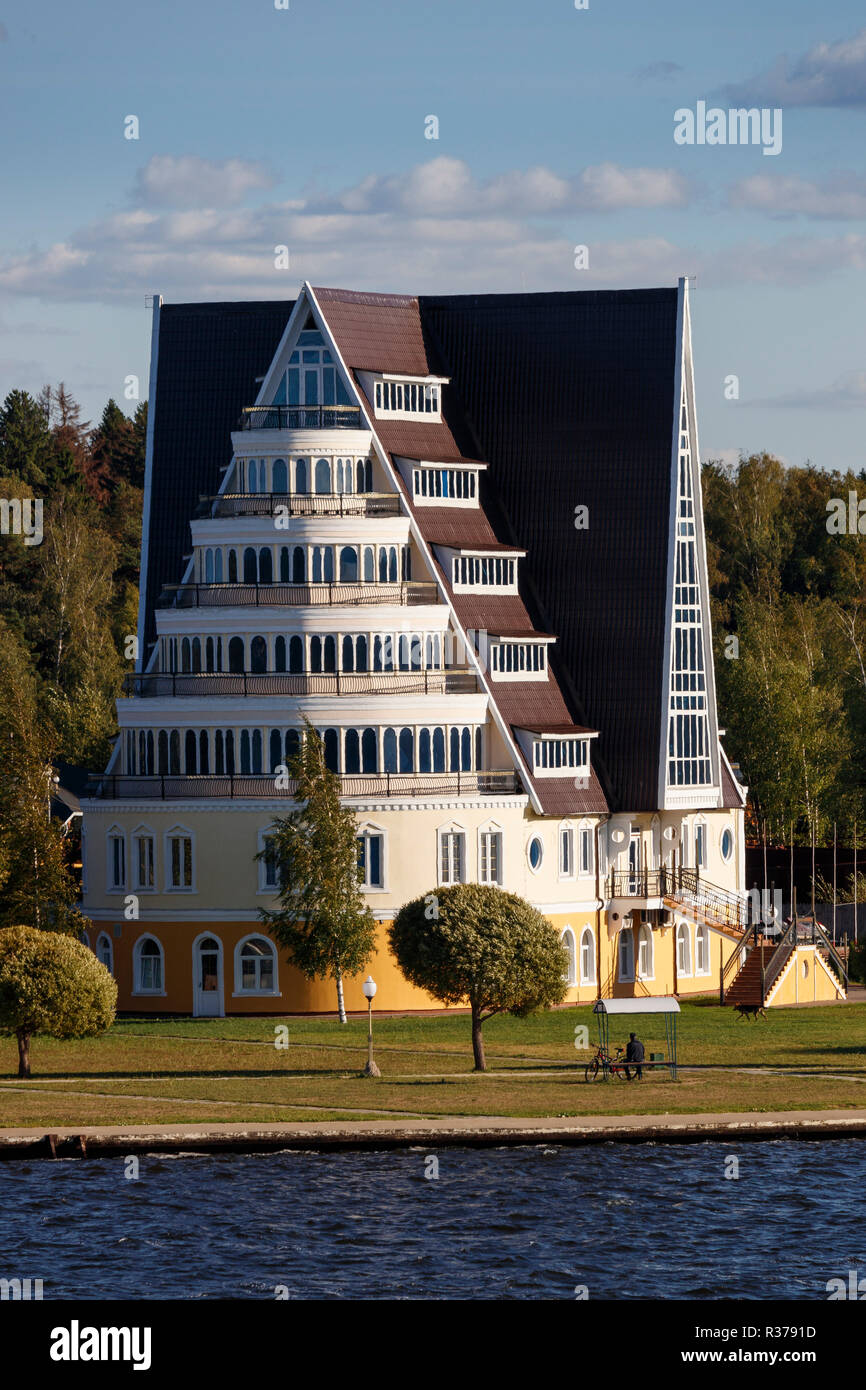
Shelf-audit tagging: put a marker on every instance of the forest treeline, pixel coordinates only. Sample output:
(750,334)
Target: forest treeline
(788,590)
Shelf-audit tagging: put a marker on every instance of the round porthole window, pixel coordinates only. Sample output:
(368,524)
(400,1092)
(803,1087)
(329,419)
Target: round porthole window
(535,852)
(727,845)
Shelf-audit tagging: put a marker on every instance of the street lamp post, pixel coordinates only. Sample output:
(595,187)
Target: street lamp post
(369,987)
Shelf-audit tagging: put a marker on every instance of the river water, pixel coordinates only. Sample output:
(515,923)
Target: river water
(616,1221)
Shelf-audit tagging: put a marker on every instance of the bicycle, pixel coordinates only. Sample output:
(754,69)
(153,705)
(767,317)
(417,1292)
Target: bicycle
(605,1065)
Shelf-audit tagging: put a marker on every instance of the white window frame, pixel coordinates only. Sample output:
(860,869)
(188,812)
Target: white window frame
(567,836)
(115,832)
(587,978)
(727,830)
(567,938)
(585,833)
(239,992)
(683,933)
(701,842)
(178,832)
(270,890)
(138,989)
(645,934)
(143,832)
(365,831)
(626,934)
(536,869)
(463,873)
(493,830)
(103,936)
(702,938)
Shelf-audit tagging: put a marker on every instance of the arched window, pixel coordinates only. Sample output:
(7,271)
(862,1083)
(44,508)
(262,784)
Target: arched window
(360,473)
(389,750)
(466,751)
(323,475)
(332,750)
(174,753)
(369,751)
(567,939)
(162,753)
(315,654)
(299,565)
(347,657)
(275,745)
(255,966)
(203,753)
(425,760)
(361,653)
(296,655)
(301,476)
(369,564)
(626,954)
(330,653)
(257,752)
(644,952)
(209,654)
(293,744)
(104,951)
(236,655)
(148,966)
(185,655)
(454,761)
(189,753)
(684,952)
(218,567)
(349,564)
(218,754)
(149,769)
(266,565)
(352,751)
(250,567)
(407,750)
(230,751)
(392,564)
(233,567)
(285,565)
(383,565)
(587,957)
(196,655)
(208,567)
(279,476)
(280,654)
(258,656)
(252,476)
(702,949)
(245,753)
(438,750)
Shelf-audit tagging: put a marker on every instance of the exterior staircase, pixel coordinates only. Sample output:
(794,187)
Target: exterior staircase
(748,986)
(684,889)
(764,964)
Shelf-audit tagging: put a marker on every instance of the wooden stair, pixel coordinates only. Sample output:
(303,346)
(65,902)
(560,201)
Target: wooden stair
(746,987)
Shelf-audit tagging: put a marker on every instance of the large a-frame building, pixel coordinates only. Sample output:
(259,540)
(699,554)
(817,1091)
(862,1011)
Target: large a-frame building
(463,537)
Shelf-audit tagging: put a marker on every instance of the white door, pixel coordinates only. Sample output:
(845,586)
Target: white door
(208,978)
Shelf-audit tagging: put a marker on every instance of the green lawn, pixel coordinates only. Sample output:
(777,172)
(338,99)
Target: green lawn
(164,1070)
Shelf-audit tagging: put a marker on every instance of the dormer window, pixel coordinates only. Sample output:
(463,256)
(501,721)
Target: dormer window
(494,572)
(438,484)
(407,397)
(518,659)
(557,750)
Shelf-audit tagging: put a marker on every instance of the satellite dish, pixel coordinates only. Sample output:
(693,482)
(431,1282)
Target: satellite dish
(617,836)
(670,832)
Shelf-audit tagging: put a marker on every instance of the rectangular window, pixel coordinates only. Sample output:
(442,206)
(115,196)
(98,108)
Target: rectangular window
(270,874)
(586,851)
(406,397)
(451,857)
(700,846)
(116,862)
(144,861)
(180,860)
(491,857)
(370,860)
(566,853)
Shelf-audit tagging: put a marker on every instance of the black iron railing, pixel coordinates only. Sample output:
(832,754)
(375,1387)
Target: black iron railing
(171,684)
(300,417)
(406,592)
(686,885)
(262,787)
(300,504)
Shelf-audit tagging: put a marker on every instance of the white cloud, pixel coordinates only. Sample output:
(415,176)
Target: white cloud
(829,74)
(847,392)
(187,181)
(840,196)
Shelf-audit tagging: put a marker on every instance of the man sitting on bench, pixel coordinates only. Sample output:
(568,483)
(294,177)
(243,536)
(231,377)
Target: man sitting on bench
(634,1053)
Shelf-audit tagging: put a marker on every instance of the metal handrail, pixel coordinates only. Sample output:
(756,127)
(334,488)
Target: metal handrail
(729,909)
(177,786)
(300,504)
(300,417)
(183,684)
(406,592)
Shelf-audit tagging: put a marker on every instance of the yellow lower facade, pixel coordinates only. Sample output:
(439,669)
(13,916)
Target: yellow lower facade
(197,968)
(805,980)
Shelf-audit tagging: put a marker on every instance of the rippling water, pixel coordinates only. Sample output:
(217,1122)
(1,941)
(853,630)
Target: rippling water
(627,1221)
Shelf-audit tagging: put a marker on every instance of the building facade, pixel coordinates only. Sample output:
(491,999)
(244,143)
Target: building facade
(463,537)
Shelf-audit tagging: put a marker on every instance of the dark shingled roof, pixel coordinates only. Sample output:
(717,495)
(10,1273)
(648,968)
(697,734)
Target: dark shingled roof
(209,358)
(570,399)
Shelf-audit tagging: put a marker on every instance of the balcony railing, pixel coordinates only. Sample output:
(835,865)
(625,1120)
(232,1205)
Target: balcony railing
(728,909)
(408,592)
(300,417)
(172,684)
(300,504)
(263,788)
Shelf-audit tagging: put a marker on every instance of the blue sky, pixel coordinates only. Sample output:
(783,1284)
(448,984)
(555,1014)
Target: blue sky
(306,127)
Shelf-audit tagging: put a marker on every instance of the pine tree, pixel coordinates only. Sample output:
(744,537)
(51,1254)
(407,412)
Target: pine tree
(323,923)
(26,444)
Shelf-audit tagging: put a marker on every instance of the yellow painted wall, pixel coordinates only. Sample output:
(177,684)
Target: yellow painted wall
(804,981)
